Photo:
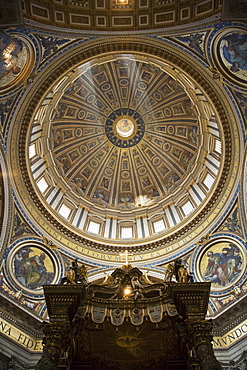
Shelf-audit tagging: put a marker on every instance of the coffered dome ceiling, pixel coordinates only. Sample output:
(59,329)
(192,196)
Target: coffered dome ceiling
(118,15)
(123,135)
(124,150)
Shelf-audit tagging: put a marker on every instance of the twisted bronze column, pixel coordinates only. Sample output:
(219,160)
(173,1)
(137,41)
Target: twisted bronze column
(58,343)
(201,344)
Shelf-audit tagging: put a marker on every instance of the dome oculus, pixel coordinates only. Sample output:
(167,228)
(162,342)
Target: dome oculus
(125,128)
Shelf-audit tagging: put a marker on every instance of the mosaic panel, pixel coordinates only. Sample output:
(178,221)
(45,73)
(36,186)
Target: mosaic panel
(15,60)
(222,263)
(32,267)
(231,54)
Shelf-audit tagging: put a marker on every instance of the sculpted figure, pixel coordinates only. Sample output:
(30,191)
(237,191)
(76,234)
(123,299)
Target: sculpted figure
(182,275)
(75,275)
(169,273)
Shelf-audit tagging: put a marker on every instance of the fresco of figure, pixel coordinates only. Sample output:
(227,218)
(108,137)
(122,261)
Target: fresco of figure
(10,50)
(31,269)
(223,267)
(235,51)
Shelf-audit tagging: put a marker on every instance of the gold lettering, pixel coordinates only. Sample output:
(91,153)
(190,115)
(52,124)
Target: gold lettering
(20,337)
